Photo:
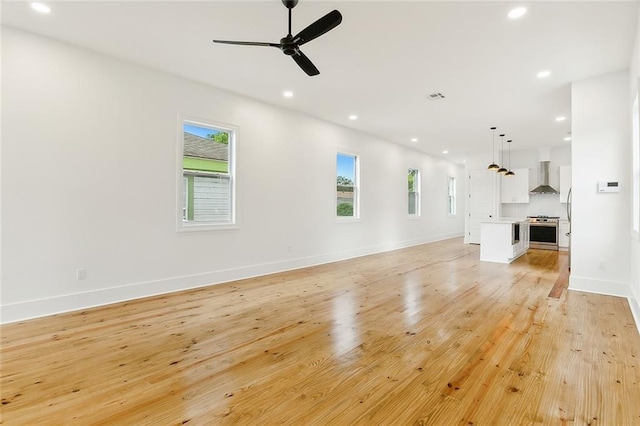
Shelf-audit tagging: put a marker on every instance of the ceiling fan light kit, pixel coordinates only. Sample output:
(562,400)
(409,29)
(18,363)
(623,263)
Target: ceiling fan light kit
(290,45)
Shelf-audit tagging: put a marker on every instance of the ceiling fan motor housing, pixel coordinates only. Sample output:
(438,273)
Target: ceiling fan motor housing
(287,46)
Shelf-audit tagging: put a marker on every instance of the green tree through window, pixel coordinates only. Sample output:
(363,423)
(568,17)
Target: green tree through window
(346,186)
(220,137)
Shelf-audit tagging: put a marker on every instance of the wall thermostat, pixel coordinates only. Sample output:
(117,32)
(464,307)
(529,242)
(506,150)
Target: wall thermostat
(608,187)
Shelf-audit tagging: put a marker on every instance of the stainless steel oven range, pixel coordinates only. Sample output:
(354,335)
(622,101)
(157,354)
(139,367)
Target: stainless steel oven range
(543,232)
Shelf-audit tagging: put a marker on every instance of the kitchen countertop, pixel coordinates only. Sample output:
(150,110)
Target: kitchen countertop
(505,220)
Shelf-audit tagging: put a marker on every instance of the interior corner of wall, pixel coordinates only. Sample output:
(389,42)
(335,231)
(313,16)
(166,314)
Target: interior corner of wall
(634,305)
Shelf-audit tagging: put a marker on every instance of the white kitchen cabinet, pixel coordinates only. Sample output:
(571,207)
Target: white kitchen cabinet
(515,189)
(563,238)
(503,241)
(565,182)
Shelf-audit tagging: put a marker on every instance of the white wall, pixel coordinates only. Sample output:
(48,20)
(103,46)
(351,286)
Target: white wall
(634,91)
(89,164)
(601,223)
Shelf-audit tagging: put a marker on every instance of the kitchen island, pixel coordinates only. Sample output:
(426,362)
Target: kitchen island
(503,240)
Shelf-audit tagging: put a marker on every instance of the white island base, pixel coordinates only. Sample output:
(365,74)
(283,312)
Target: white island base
(503,241)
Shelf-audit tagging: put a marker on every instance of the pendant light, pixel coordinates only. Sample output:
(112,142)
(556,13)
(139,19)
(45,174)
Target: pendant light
(510,172)
(502,170)
(493,165)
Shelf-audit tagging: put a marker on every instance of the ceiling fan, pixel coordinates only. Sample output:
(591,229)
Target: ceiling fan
(290,45)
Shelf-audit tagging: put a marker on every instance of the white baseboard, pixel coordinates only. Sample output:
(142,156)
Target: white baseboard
(590,285)
(634,304)
(37,308)
(635,311)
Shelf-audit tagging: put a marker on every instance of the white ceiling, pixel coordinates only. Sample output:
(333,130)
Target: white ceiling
(380,63)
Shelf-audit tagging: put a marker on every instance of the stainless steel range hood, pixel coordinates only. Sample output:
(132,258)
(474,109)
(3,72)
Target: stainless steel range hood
(544,187)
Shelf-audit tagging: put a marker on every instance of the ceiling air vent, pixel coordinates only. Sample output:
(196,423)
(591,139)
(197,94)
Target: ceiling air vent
(436,96)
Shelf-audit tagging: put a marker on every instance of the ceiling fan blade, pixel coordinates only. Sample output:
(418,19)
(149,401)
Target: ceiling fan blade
(305,63)
(248,43)
(321,26)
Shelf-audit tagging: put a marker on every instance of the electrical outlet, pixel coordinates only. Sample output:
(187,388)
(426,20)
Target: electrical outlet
(81,274)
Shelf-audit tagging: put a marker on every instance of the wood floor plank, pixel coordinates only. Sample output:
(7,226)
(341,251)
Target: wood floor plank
(423,335)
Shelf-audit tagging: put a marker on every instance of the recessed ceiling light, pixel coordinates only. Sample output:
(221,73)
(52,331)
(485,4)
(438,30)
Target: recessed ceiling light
(414,139)
(40,7)
(353,117)
(561,118)
(287,94)
(568,138)
(517,12)
(445,152)
(543,74)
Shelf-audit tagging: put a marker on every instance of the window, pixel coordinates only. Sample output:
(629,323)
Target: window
(636,167)
(206,177)
(452,196)
(414,192)
(346,185)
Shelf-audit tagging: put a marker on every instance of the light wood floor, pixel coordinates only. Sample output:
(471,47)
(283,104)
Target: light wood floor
(425,335)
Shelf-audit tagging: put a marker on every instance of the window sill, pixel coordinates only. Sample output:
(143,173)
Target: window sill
(347,219)
(182,227)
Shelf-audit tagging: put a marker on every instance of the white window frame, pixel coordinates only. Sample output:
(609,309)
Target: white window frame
(452,196)
(183,201)
(416,186)
(356,187)
(182,225)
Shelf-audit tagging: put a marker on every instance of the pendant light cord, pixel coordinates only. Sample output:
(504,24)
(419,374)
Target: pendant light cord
(493,145)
